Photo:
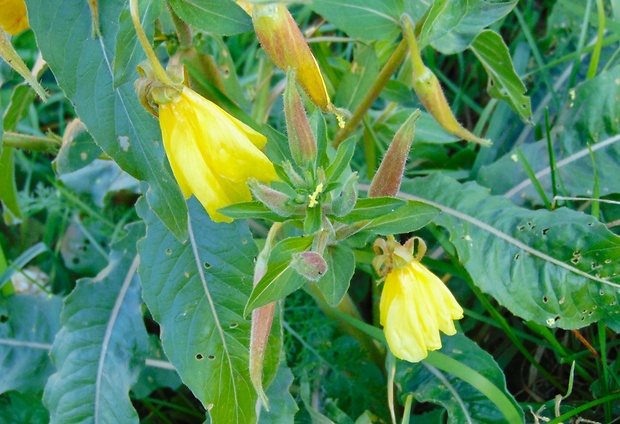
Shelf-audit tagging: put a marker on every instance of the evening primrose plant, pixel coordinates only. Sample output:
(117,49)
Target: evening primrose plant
(259,211)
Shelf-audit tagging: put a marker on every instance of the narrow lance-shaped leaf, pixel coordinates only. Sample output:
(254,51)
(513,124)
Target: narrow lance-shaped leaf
(101,343)
(504,83)
(83,67)
(197,292)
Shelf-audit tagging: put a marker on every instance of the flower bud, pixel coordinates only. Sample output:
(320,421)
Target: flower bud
(300,137)
(262,319)
(389,176)
(14,17)
(427,88)
(277,201)
(283,41)
(345,202)
(310,265)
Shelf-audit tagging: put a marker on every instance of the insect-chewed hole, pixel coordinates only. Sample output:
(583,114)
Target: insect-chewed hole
(545,231)
(199,357)
(211,357)
(168,251)
(207,265)
(545,299)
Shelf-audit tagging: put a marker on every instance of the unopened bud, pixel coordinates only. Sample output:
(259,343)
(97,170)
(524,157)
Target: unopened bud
(296,179)
(262,318)
(427,88)
(310,265)
(283,41)
(300,138)
(389,176)
(275,200)
(345,202)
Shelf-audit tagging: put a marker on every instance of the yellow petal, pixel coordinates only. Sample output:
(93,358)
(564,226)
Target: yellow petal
(13,16)
(211,153)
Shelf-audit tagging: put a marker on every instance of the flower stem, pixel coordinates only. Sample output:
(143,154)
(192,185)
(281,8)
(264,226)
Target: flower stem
(159,71)
(30,142)
(384,76)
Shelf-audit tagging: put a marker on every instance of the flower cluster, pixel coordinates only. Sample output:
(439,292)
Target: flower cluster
(415,303)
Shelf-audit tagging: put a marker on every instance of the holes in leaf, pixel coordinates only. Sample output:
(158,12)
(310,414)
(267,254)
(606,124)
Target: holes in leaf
(517,256)
(575,260)
(234,325)
(545,299)
(199,357)
(75,260)
(168,251)
(207,265)
(521,227)
(211,357)
(545,231)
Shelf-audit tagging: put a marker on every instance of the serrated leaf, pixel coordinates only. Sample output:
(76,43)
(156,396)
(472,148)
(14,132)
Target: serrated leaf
(340,268)
(222,17)
(27,330)
(114,117)
(558,268)
(464,403)
(504,83)
(129,53)
(197,292)
(281,278)
(374,20)
(101,344)
(592,116)
(409,217)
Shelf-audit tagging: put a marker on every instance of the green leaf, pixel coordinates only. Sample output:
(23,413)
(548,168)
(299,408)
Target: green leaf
(282,405)
(21,99)
(446,378)
(222,17)
(370,208)
(27,329)
(341,161)
(129,53)
(407,218)
(340,269)
(102,342)
(78,149)
(358,80)
(197,292)
(374,20)
(255,210)
(504,83)
(114,117)
(155,377)
(19,408)
(8,189)
(592,116)
(558,268)
(281,278)
(455,24)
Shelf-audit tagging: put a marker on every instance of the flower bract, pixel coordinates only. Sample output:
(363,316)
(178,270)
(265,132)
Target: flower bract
(211,153)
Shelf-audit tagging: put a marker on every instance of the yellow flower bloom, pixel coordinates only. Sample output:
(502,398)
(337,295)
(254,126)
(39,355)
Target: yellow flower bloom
(13,17)
(211,153)
(415,303)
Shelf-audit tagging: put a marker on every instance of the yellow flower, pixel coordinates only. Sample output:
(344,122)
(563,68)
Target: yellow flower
(211,153)
(13,17)
(415,303)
